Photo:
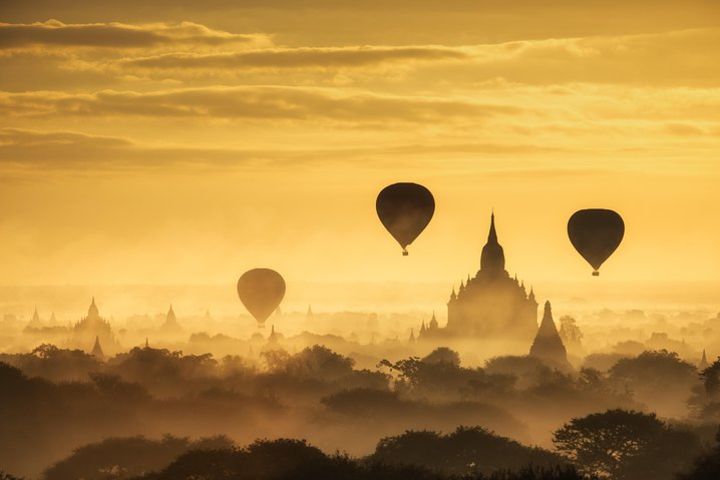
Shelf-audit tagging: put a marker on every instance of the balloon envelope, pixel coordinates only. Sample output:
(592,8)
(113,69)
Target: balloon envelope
(596,233)
(261,290)
(405,209)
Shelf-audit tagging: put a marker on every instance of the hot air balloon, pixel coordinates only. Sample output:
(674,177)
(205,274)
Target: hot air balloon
(596,233)
(261,290)
(405,209)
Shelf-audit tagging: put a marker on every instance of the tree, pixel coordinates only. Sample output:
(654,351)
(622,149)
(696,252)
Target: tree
(467,450)
(317,361)
(440,377)
(656,368)
(127,457)
(287,459)
(443,355)
(528,371)
(707,466)
(620,444)
(367,402)
(659,379)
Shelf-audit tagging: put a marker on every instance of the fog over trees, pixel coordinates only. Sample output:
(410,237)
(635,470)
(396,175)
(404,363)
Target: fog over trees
(155,413)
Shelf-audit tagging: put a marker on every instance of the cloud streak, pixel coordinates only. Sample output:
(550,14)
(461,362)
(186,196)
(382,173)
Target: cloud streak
(66,150)
(297,58)
(253,102)
(54,33)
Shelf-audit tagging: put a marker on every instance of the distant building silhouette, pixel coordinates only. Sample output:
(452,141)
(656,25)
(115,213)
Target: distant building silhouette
(35,323)
(491,305)
(548,345)
(274,337)
(703,362)
(412,336)
(97,350)
(171,324)
(309,315)
(91,327)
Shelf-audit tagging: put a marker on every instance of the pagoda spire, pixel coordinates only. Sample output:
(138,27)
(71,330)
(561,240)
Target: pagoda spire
(548,345)
(492,235)
(273,336)
(97,350)
(703,362)
(93,311)
(35,320)
(492,260)
(433,321)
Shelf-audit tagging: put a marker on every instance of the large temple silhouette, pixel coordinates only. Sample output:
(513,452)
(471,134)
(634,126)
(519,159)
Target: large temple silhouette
(491,305)
(91,330)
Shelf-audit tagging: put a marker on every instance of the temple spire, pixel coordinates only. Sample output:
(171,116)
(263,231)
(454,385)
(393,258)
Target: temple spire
(703,362)
(35,320)
(492,260)
(548,345)
(273,338)
(492,235)
(97,350)
(93,311)
(433,321)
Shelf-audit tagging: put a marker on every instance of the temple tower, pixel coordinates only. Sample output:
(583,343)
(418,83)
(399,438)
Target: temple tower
(548,346)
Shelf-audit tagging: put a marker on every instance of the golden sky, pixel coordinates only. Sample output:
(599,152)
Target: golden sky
(185,142)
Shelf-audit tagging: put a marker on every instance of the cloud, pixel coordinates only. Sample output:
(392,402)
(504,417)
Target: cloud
(399,21)
(31,138)
(252,102)
(684,57)
(675,57)
(683,129)
(65,150)
(54,33)
(297,58)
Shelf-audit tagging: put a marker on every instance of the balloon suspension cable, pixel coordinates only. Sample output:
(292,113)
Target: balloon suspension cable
(596,273)
(405,252)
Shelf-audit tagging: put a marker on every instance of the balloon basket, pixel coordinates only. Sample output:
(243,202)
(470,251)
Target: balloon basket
(596,273)
(405,253)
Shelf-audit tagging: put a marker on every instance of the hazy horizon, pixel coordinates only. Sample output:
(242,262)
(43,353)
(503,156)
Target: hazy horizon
(204,208)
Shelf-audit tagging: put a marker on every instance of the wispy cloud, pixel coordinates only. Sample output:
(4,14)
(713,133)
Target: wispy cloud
(297,58)
(54,33)
(252,102)
(68,150)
